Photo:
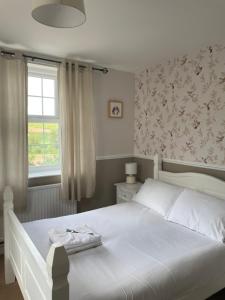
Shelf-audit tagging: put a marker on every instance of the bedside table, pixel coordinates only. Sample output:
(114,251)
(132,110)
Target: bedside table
(126,191)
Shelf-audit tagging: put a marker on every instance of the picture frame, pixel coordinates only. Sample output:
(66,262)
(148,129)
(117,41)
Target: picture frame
(115,109)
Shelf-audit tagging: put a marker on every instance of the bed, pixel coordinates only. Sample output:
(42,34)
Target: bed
(143,256)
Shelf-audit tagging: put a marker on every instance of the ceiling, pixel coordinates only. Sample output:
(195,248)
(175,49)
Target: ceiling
(121,34)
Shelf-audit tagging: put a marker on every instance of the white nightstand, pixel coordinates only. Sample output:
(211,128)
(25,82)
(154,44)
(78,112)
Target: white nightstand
(126,191)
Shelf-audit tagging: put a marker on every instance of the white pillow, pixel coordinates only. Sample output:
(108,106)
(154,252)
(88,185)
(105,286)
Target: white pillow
(200,212)
(158,195)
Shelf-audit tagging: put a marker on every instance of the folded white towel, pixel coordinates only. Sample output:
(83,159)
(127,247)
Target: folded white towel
(75,239)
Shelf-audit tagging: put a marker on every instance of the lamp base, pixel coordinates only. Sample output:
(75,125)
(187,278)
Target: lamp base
(131,179)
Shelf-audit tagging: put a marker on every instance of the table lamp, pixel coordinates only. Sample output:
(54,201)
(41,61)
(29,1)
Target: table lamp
(131,171)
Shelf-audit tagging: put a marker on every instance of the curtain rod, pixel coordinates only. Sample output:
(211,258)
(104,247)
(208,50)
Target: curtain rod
(12,54)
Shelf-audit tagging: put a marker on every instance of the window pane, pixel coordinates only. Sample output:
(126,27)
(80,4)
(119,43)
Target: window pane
(43,130)
(35,133)
(51,155)
(43,144)
(51,133)
(48,88)
(49,107)
(34,86)
(36,157)
(35,106)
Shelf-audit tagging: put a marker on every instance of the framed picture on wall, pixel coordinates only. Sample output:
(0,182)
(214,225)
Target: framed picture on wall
(115,109)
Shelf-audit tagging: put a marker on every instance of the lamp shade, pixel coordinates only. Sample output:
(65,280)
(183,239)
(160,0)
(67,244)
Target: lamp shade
(131,168)
(59,13)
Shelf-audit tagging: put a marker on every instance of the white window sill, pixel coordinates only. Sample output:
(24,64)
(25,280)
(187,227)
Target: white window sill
(44,173)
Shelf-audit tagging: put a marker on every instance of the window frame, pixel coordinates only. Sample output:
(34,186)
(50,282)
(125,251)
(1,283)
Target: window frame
(40,71)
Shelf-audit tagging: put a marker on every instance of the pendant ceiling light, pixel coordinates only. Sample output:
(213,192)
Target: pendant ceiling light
(59,13)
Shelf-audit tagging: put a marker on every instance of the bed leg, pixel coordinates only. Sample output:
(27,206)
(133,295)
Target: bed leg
(8,205)
(58,269)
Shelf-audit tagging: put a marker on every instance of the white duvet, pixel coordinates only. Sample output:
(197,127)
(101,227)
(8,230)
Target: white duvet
(143,256)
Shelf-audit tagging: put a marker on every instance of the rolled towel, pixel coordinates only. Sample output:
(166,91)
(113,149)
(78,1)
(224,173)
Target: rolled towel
(75,239)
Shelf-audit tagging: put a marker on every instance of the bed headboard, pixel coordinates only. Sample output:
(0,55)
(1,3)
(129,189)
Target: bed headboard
(196,181)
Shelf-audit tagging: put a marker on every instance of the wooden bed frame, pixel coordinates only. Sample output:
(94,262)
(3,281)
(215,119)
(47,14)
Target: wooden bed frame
(47,280)
(196,181)
(38,279)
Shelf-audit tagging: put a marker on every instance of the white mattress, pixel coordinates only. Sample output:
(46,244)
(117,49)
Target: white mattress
(142,257)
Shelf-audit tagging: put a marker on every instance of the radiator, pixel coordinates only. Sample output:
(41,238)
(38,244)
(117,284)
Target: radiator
(44,202)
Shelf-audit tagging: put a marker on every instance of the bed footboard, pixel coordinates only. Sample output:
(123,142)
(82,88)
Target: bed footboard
(38,279)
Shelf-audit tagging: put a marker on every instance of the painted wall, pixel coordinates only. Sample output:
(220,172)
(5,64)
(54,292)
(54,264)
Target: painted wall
(109,172)
(114,136)
(180,108)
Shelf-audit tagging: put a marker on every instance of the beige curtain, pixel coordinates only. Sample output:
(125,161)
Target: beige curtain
(78,132)
(13,133)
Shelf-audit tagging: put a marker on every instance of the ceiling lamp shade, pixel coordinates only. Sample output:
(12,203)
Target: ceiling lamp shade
(59,13)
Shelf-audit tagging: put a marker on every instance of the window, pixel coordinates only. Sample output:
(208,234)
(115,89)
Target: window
(43,121)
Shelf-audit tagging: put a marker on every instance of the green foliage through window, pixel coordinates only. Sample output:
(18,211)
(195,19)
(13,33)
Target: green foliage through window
(43,144)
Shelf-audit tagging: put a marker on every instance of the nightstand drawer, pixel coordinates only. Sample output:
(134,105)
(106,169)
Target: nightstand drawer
(120,200)
(125,192)
(124,195)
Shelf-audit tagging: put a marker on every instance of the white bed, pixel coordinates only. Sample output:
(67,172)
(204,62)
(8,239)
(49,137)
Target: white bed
(143,256)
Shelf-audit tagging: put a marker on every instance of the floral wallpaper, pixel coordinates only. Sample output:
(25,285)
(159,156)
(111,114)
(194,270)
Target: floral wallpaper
(180,108)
